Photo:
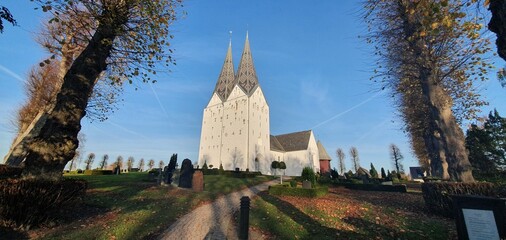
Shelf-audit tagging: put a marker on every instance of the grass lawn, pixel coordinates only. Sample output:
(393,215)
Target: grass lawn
(348,214)
(129,207)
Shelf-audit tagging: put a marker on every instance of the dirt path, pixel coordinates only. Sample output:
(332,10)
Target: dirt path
(213,220)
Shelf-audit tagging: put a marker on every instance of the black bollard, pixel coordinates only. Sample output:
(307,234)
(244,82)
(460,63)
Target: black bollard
(244,218)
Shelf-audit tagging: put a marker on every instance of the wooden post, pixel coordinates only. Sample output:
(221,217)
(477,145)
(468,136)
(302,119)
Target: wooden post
(244,218)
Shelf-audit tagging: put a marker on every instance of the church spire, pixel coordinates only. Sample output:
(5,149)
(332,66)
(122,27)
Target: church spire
(246,76)
(226,79)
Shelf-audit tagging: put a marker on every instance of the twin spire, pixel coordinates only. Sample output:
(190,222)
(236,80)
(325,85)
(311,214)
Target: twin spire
(246,76)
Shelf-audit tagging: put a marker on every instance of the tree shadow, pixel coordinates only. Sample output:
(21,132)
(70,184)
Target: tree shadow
(315,229)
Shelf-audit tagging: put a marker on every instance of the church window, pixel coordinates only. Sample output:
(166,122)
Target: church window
(233,133)
(214,119)
(230,123)
(244,121)
(239,131)
(227,116)
(278,158)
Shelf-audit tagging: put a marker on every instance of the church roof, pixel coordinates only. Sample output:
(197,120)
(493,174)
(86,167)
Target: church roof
(246,76)
(322,152)
(293,141)
(275,145)
(226,79)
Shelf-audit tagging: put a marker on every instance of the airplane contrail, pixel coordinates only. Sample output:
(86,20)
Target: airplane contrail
(11,73)
(159,102)
(347,110)
(127,130)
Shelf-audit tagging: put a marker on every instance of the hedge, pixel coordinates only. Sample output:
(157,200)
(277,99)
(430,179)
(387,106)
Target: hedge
(7,171)
(98,172)
(285,190)
(437,195)
(29,202)
(374,187)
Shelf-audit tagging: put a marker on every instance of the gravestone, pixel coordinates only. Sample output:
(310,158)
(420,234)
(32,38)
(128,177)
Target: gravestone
(198,181)
(306,184)
(185,179)
(117,170)
(170,169)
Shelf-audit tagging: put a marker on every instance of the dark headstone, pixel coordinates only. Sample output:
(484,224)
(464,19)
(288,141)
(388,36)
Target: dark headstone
(170,169)
(198,181)
(185,180)
(117,170)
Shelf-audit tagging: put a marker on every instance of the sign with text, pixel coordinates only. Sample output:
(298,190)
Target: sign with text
(480,218)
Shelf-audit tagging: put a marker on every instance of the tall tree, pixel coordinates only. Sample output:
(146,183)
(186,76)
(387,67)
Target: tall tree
(373,171)
(487,144)
(103,164)
(130,37)
(396,155)
(6,15)
(79,152)
(130,163)
(497,24)
(354,158)
(429,55)
(340,157)
(383,174)
(119,162)
(151,164)
(141,165)
(89,161)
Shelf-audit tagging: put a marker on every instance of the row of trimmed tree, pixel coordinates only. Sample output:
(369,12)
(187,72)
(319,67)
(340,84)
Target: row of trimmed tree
(130,163)
(395,155)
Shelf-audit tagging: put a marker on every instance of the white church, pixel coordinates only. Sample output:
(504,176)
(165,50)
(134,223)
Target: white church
(235,127)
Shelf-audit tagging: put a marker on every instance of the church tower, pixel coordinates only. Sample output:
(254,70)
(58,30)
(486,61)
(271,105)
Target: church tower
(235,124)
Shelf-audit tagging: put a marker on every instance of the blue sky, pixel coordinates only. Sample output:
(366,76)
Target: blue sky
(312,67)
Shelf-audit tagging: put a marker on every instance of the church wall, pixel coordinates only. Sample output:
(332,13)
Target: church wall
(235,139)
(296,160)
(210,140)
(259,129)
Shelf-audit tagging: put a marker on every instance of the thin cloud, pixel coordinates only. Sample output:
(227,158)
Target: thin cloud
(159,102)
(373,130)
(127,130)
(347,110)
(11,73)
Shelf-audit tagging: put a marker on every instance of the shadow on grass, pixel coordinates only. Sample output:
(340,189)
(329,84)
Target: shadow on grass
(290,223)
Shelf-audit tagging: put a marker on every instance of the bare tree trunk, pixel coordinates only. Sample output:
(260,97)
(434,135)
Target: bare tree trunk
(55,145)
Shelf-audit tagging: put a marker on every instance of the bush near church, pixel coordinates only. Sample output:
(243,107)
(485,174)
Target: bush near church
(437,195)
(29,202)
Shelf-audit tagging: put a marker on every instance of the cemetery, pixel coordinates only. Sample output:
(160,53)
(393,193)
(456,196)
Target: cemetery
(81,79)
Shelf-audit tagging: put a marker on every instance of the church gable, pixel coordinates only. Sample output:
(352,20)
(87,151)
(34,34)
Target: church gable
(236,93)
(215,99)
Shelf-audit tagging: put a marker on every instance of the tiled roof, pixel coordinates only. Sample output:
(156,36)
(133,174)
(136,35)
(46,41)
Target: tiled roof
(226,79)
(293,141)
(322,152)
(275,145)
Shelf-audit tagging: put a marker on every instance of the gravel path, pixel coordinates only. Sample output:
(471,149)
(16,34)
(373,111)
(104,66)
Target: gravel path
(213,220)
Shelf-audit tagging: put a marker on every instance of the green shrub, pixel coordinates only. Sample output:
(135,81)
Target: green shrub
(293,183)
(437,195)
(7,171)
(241,174)
(282,190)
(308,175)
(213,171)
(324,179)
(98,172)
(29,202)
